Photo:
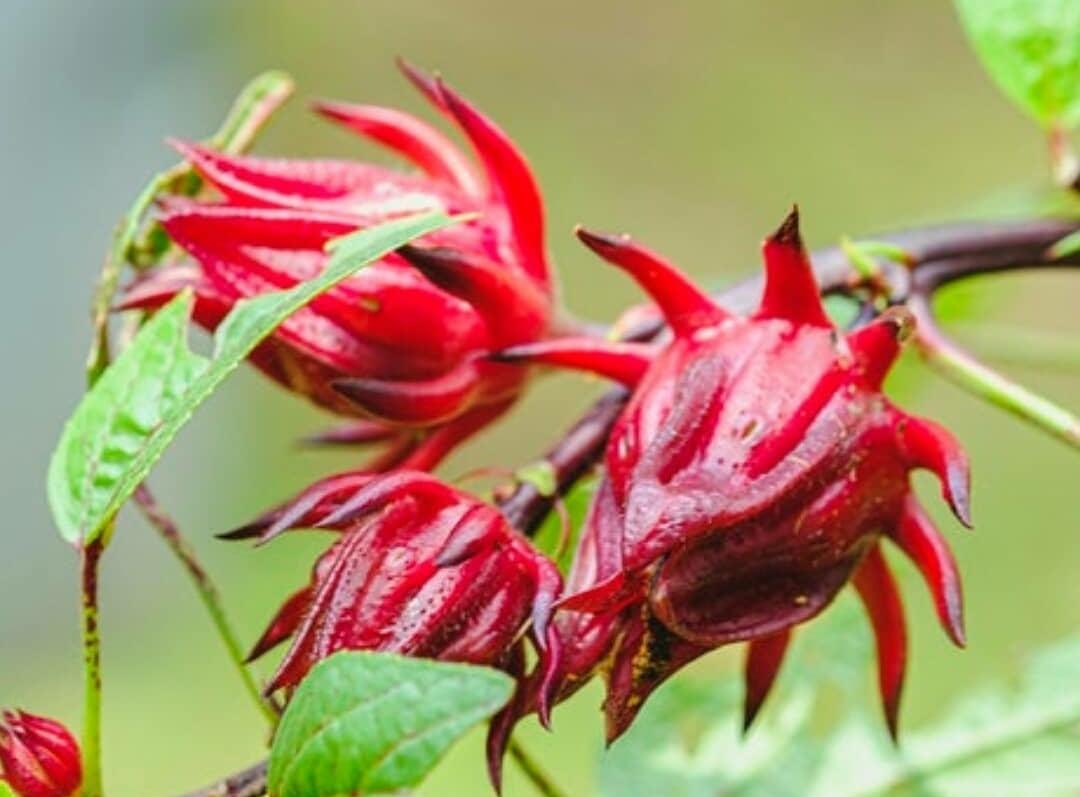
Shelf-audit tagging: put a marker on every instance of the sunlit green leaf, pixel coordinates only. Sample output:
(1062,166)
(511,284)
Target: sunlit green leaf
(365,723)
(1066,247)
(539,474)
(124,423)
(1032,49)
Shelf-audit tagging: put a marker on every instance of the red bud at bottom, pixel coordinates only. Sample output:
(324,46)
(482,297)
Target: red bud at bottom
(38,756)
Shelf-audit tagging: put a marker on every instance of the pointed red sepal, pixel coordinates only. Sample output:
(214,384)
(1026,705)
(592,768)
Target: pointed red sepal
(929,445)
(381,491)
(881,597)
(306,644)
(791,291)
(284,624)
(410,137)
(246,179)
(419,402)
(440,441)
(545,636)
(763,659)
(876,346)
(917,536)
(426,84)
(511,180)
(352,433)
(502,724)
(512,305)
(475,532)
(306,509)
(621,362)
(685,306)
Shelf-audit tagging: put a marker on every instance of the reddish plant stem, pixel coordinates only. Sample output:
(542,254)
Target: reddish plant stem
(157,517)
(251,782)
(935,257)
(90,560)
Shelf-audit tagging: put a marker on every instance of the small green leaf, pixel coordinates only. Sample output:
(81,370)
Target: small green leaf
(539,474)
(1065,247)
(124,423)
(365,723)
(1032,49)
(841,310)
(5,790)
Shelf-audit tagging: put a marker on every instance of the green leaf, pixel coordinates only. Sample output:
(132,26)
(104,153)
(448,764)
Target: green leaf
(1066,247)
(124,423)
(365,723)
(1032,49)
(1005,742)
(841,310)
(5,790)
(541,475)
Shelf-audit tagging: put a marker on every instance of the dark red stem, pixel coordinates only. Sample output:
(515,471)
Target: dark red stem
(936,256)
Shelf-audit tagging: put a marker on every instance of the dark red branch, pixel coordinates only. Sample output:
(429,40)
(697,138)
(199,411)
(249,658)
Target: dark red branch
(936,256)
(249,783)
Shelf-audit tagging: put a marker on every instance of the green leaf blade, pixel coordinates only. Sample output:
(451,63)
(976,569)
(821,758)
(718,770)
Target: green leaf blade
(366,723)
(1031,48)
(125,422)
(126,406)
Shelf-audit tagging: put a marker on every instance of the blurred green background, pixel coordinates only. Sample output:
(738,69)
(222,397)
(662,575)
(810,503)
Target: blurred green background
(694,125)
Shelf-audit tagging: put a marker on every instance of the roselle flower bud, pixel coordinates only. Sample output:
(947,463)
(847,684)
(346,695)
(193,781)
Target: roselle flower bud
(38,756)
(751,476)
(401,342)
(420,569)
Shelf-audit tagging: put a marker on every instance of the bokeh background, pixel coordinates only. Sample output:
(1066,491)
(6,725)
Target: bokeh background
(692,124)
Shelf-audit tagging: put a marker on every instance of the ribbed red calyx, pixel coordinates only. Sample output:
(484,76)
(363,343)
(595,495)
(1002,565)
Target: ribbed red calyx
(401,342)
(38,756)
(420,569)
(751,476)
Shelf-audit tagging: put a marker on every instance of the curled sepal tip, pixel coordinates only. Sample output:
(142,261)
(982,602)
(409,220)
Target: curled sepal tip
(416,141)
(916,535)
(876,346)
(686,307)
(621,362)
(929,445)
(412,401)
(877,588)
(763,659)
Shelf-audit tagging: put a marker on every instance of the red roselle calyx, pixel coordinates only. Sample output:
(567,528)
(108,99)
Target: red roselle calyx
(752,475)
(38,756)
(421,569)
(402,342)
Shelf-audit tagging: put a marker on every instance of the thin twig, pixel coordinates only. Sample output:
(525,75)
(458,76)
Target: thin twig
(91,646)
(960,367)
(208,594)
(935,256)
(533,771)
(249,783)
